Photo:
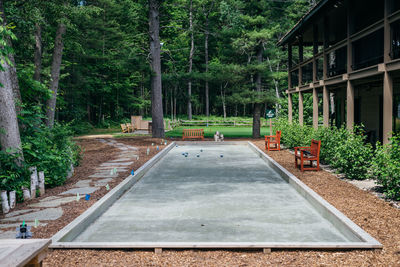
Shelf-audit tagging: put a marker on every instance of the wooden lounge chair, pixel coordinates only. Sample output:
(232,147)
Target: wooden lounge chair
(129,127)
(193,134)
(273,142)
(124,128)
(310,154)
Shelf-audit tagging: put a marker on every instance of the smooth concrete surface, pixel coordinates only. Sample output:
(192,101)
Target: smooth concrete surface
(209,198)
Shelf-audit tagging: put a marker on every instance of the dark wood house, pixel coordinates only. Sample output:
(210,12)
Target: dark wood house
(347,53)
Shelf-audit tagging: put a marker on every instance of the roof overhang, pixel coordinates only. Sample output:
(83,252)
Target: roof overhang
(289,35)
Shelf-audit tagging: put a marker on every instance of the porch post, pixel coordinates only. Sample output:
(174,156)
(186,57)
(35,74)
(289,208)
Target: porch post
(300,108)
(387,107)
(325,94)
(315,108)
(350,105)
(290,108)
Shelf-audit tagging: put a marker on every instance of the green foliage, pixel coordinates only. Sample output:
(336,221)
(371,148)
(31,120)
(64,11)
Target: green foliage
(51,151)
(386,167)
(346,151)
(13,172)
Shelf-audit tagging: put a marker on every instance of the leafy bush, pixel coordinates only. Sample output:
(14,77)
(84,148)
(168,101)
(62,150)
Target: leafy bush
(13,172)
(340,148)
(386,167)
(51,151)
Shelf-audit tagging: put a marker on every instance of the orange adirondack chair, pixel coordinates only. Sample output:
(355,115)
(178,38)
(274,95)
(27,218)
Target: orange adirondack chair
(273,142)
(309,153)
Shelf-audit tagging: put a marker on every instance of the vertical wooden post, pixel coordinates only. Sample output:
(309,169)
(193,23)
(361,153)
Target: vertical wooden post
(41,183)
(350,105)
(34,181)
(349,31)
(301,59)
(315,51)
(301,121)
(315,108)
(387,35)
(325,96)
(326,44)
(290,59)
(290,108)
(387,107)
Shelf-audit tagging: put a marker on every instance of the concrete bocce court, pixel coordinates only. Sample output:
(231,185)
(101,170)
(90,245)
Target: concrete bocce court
(212,195)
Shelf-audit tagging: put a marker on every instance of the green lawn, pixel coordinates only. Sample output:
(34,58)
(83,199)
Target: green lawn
(228,132)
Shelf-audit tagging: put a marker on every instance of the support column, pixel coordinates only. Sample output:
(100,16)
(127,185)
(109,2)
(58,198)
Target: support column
(301,108)
(386,31)
(290,108)
(350,105)
(290,59)
(301,59)
(325,93)
(315,108)
(325,46)
(387,107)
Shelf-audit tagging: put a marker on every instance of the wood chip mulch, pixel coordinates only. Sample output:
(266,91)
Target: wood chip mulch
(374,215)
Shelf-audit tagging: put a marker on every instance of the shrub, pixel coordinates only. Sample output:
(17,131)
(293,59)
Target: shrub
(340,148)
(13,172)
(386,167)
(352,156)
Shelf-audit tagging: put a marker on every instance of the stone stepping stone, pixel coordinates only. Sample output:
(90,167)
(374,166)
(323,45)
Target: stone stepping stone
(50,198)
(8,225)
(102,182)
(109,168)
(42,215)
(116,164)
(83,183)
(121,159)
(55,202)
(8,235)
(103,175)
(19,212)
(80,190)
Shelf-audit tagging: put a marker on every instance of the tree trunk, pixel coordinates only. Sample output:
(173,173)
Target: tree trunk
(156,86)
(55,74)
(175,92)
(189,104)
(12,68)
(9,131)
(257,106)
(207,33)
(38,52)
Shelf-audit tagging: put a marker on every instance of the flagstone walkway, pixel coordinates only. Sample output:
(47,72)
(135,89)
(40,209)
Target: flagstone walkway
(49,208)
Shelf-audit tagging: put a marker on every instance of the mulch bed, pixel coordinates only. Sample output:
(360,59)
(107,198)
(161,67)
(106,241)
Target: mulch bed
(374,215)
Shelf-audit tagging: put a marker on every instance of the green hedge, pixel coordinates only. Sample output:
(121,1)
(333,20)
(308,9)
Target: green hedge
(349,152)
(343,150)
(386,167)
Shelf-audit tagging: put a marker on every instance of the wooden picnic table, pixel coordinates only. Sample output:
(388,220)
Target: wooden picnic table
(23,252)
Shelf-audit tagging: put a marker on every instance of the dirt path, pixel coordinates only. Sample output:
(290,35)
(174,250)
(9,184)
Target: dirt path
(374,215)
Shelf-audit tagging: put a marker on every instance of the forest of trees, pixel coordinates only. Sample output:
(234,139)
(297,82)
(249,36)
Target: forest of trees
(71,61)
(217,57)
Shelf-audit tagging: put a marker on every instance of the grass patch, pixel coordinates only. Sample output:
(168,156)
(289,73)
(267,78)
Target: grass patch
(228,132)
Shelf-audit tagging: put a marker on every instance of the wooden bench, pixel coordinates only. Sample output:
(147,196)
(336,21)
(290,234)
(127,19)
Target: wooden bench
(309,153)
(193,134)
(273,142)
